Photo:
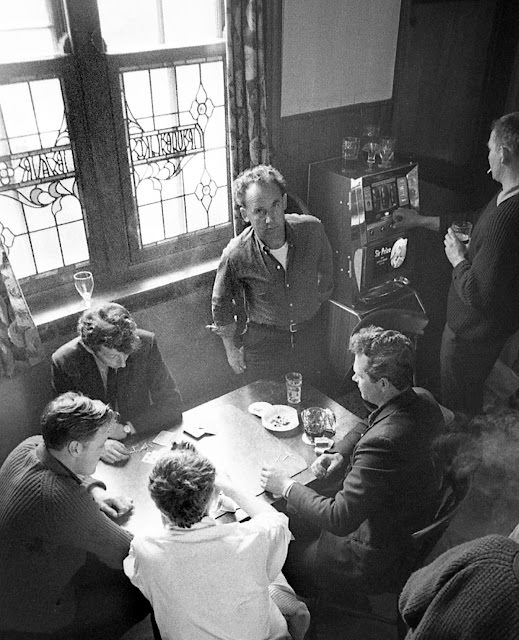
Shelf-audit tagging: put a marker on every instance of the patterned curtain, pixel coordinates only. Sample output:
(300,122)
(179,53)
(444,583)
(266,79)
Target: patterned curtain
(20,343)
(246,94)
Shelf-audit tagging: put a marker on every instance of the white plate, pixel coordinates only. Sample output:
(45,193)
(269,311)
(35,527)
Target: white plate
(280,418)
(259,408)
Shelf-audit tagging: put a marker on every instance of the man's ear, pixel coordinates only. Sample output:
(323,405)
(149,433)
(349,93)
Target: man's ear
(383,382)
(75,448)
(506,156)
(243,212)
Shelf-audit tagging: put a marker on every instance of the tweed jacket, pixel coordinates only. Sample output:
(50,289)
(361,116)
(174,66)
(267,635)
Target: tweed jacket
(388,487)
(146,393)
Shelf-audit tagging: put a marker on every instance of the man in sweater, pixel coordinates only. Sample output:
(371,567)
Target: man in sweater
(113,361)
(382,483)
(271,282)
(483,302)
(60,553)
(470,592)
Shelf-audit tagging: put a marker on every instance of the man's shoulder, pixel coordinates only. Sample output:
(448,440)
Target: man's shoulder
(268,522)
(22,451)
(408,412)
(238,243)
(301,220)
(69,350)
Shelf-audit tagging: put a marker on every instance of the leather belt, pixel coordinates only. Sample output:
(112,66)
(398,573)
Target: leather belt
(293,327)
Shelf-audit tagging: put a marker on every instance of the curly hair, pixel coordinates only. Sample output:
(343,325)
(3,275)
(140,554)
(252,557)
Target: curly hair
(109,325)
(73,416)
(506,132)
(390,355)
(181,484)
(261,173)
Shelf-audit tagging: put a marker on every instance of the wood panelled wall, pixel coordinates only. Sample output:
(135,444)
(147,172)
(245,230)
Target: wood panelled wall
(457,62)
(318,135)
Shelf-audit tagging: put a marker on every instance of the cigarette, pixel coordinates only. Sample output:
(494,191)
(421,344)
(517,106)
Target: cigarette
(489,171)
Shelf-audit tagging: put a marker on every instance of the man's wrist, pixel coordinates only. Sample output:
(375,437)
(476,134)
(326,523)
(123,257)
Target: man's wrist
(288,488)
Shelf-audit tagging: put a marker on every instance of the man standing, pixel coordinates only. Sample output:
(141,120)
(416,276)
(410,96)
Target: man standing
(382,483)
(483,302)
(60,555)
(271,281)
(113,361)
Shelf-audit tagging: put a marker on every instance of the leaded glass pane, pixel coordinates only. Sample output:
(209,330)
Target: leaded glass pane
(147,25)
(27,31)
(73,242)
(41,217)
(175,217)
(175,120)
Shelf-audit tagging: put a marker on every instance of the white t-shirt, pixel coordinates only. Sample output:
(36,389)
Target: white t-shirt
(211,581)
(281,255)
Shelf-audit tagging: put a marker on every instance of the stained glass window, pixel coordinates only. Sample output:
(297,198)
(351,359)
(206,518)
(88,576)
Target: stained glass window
(175,119)
(41,218)
(113,153)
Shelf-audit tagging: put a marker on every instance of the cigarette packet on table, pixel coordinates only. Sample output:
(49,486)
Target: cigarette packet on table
(322,445)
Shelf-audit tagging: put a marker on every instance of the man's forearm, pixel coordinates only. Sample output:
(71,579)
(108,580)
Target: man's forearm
(252,505)
(432,223)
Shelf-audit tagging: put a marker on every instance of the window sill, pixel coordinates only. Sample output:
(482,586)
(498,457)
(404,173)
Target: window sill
(60,316)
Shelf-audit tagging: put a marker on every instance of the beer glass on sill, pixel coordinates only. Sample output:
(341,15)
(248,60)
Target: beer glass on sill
(84,283)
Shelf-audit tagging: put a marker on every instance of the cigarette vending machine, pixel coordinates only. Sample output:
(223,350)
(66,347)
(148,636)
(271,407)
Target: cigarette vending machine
(373,261)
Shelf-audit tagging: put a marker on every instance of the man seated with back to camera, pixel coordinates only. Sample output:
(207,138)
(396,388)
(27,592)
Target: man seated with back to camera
(271,282)
(208,580)
(61,557)
(113,361)
(381,483)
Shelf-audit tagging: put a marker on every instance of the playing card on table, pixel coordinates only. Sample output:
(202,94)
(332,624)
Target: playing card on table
(152,456)
(165,438)
(197,432)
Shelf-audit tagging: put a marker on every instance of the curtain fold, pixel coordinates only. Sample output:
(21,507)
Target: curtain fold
(20,344)
(246,92)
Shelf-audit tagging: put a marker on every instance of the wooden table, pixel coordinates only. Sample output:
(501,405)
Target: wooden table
(240,445)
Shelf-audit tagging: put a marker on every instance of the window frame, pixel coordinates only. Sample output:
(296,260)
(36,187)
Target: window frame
(155,59)
(90,80)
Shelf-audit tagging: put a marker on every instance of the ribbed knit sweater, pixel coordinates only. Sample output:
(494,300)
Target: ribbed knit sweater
(483,302)
(470,592)
(49,523)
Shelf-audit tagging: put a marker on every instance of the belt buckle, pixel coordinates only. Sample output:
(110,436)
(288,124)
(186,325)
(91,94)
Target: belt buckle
(292,327)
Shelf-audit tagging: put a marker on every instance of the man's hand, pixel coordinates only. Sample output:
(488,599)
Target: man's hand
(120,430)
(115,451)
(223,482)
(326,463)
(454,249)
(236,359)
(113,506)
(274,479)
(405,218)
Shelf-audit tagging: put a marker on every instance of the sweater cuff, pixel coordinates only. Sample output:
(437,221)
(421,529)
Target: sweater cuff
(89,483)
